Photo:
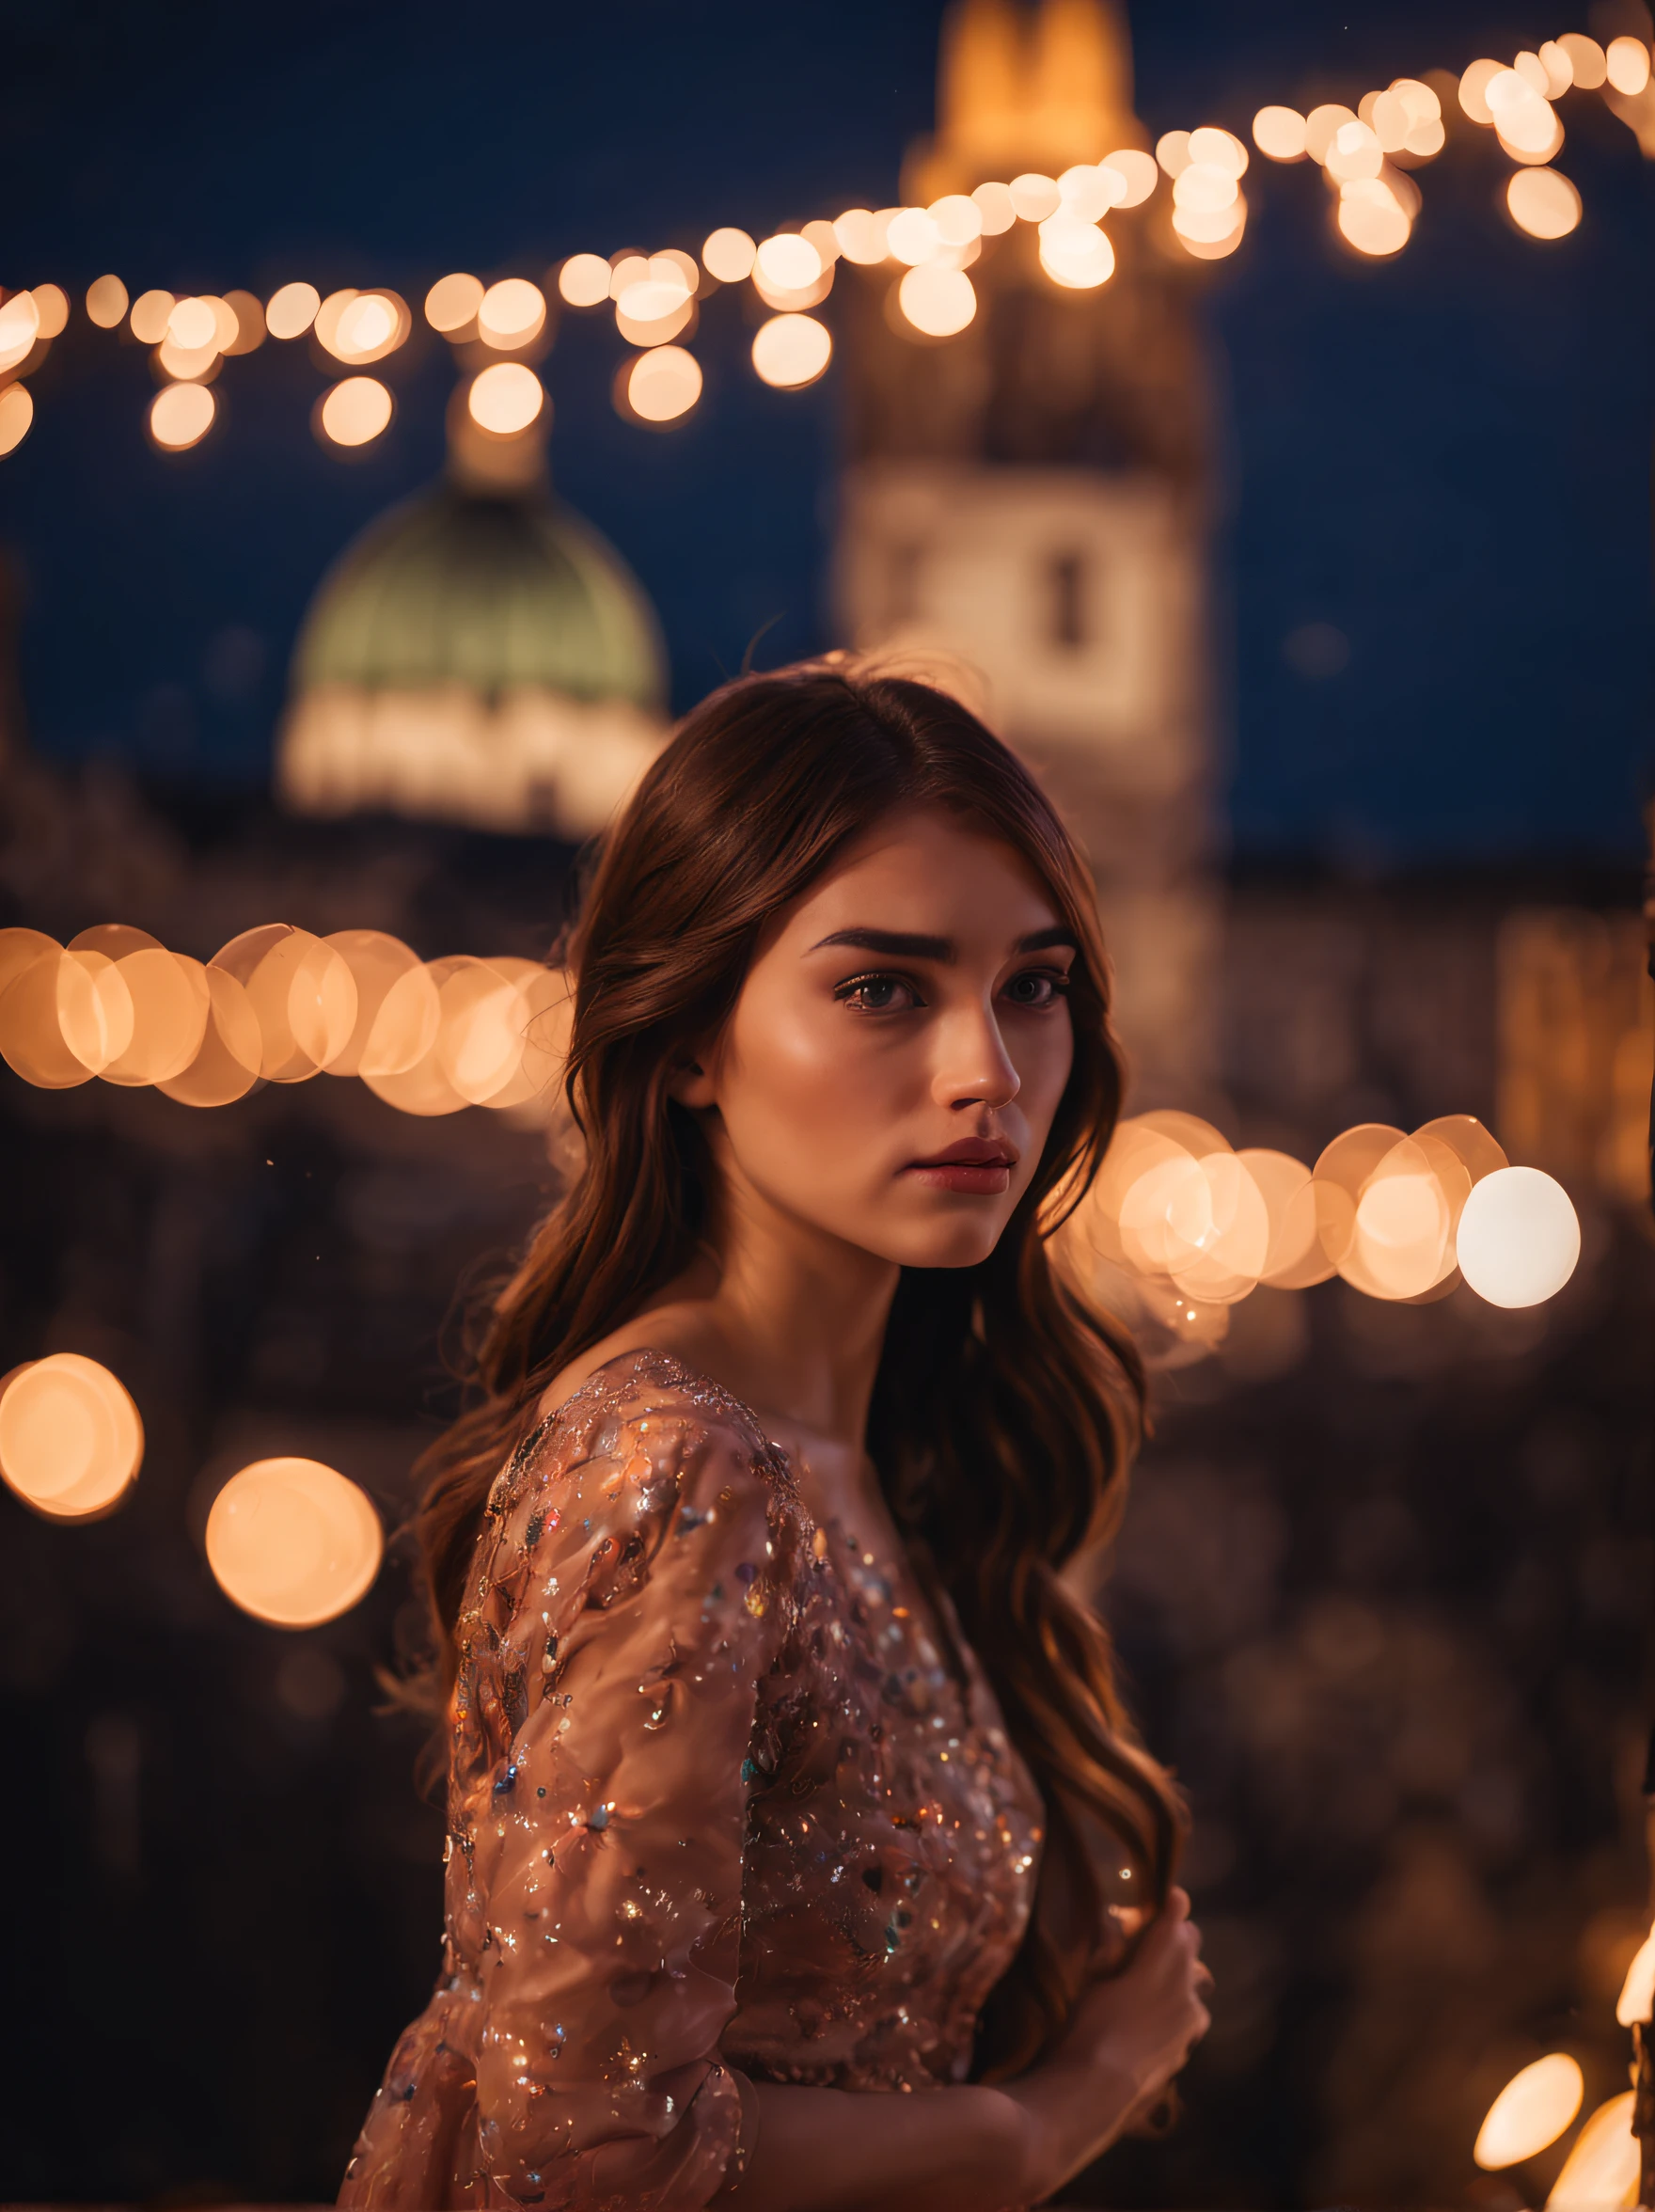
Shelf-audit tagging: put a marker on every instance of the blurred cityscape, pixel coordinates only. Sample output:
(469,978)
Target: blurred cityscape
(1384,1590)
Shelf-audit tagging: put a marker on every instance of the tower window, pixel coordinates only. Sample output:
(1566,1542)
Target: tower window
(1066,625)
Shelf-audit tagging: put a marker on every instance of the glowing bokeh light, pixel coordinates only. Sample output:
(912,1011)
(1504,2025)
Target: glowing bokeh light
(452,301)
(1294,1259)
(171,1004)
(1279,134)
(728,255)
(107,302)
(1172,150)
(860,234)
(1140,169)
(293,1542)
(913,236)
(1520,1238)
(362,326)
(355,411)
(181,416)
(1625,64)
(1076,255)
(505,399)
(248,335)
(1370,219)
(52,307)
(674,264)
(70,1439)
(1354,153)
(226,1066)
(958,217)
(151,312)
(1218,148)
(1034,195)
(1524,121)
(1474,85)
(187,364)
(191,323)
(583,280)
(1088,191)
(20,328)
(17,411)
(1322,125)
(1558,66)
(1201,189)
(512,315)
(1531,2110)
(1601,2173)
(1588,64)
(664,383)
(651,313)
(791,351)
(1636,2005)
(292,311)
(938,300)
(1543,202)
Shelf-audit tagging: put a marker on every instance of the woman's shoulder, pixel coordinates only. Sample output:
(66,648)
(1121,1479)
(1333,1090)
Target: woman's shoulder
(650,1399)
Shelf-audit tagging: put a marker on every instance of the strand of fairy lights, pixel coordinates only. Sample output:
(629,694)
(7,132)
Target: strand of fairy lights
(1365,154)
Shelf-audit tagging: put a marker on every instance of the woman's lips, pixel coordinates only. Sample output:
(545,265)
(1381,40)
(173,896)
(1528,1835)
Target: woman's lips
(978,1169)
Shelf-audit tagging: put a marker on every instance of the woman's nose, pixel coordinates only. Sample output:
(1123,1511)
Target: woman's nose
(974,1067)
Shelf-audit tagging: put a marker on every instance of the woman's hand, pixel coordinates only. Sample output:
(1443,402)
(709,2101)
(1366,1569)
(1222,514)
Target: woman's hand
(1129,2035)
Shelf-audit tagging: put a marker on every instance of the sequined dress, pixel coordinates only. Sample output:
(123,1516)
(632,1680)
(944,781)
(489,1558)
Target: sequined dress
(725,1794)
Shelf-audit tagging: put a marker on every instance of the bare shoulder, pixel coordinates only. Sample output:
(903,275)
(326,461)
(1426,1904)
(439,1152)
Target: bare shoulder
(679,1331)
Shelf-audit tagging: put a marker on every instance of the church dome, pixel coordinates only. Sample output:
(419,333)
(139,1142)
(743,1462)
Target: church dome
(476,656)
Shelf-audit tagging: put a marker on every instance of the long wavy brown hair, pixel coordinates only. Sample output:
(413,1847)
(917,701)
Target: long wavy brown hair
(1005,1412)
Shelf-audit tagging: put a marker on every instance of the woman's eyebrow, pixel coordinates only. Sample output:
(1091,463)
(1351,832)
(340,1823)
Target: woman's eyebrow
(896,944)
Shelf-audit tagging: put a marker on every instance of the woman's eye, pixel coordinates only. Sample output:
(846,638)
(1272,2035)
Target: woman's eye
(1037,986)
(877,994)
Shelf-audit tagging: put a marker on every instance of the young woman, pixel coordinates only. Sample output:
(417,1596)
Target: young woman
(787,1776)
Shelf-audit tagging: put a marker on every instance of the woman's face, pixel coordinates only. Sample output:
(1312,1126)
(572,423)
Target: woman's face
(893,1066)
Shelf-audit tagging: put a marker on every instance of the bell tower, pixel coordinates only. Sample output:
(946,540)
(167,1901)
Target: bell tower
(1031,497)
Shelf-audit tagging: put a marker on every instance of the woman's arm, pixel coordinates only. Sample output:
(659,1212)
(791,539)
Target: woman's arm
(980,2148)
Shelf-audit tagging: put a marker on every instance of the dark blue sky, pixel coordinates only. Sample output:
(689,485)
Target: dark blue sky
(1447,459)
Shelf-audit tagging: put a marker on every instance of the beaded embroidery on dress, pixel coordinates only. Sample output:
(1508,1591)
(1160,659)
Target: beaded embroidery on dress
(715,1802)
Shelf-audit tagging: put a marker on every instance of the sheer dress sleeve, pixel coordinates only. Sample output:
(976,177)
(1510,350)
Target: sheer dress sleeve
(633,1601)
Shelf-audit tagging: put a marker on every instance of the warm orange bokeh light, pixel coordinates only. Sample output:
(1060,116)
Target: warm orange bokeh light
(1625,64)
(1601,2173)
(728,255)
(181,416)
(1140,169)
(1034,195)
(1278,132)
(861,233)
(1076,255)
(17,412)
(1520,1238)
(1543,202)
(249,334)
(790,351)
(293,1542)
(303,995)
(663,384)
(290,311)
(226,1066)
(354,411)
(71,1440)
(106,302)
(583,280)
(512,314)
(151,310)
(452,302)
(1531,2110)
(939,302)
(192,324)
(505,399)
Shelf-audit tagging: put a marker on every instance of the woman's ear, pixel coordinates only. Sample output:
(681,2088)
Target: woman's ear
(692,1085)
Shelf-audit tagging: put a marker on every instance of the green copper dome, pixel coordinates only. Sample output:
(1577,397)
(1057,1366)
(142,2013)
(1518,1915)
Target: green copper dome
(457,586)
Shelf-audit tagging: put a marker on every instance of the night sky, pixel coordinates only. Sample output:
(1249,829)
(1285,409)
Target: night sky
(1446,459)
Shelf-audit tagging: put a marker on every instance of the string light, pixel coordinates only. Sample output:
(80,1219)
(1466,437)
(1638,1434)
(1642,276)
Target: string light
(1531,2110)
(17,411)
(505,399)
(293,1541)
(181,416)
(663,384)
(70,1439)
(1375,207)
(355,411)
